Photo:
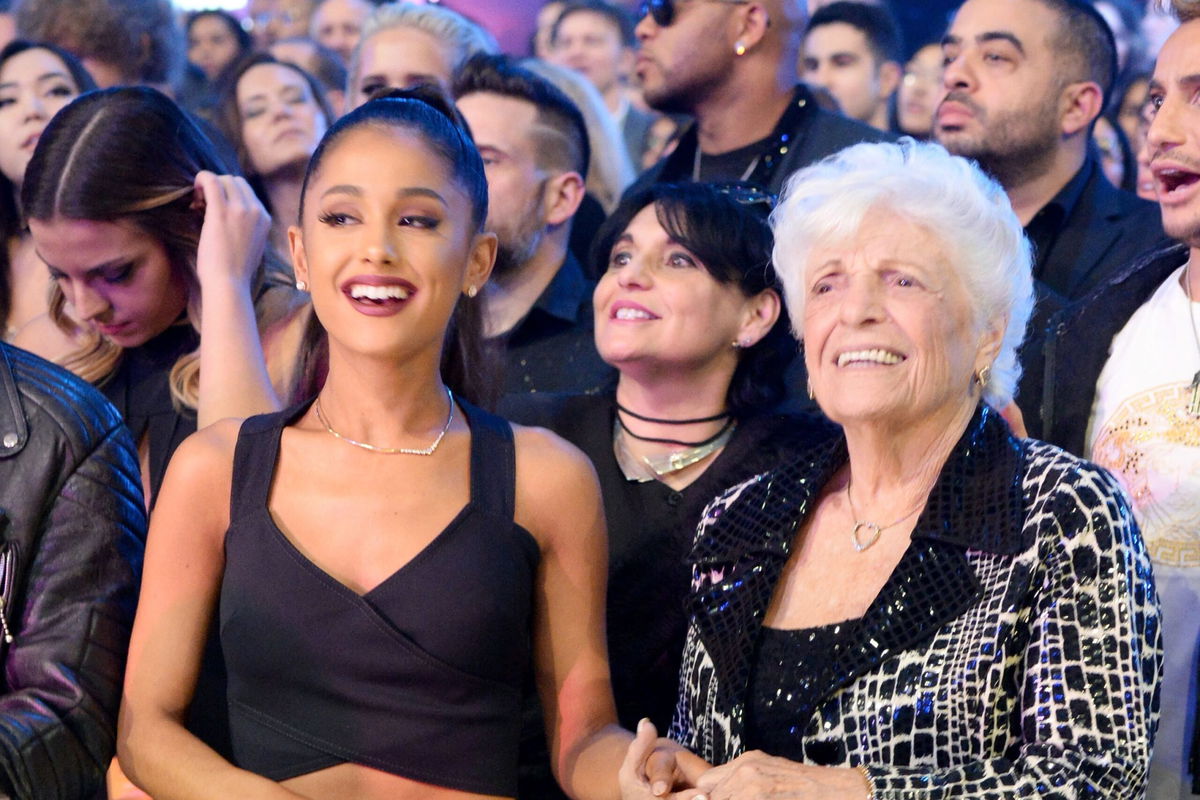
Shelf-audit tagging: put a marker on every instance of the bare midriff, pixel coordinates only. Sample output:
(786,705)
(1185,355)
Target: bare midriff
(356,782)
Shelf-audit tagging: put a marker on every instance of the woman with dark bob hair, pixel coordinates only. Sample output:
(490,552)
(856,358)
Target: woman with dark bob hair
(153,241)
(388,560)
(688,310)
(36,80)
(921,604)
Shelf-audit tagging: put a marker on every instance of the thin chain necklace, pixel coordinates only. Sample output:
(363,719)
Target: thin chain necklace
(873,528)
(1193,407)
(406,451)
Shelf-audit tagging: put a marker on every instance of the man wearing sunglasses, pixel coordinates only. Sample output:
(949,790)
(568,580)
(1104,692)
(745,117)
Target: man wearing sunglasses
(731,64)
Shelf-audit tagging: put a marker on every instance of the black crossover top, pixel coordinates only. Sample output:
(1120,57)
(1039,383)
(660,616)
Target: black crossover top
(419,677)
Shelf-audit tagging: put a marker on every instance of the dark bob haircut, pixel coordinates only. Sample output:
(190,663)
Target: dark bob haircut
(733,243)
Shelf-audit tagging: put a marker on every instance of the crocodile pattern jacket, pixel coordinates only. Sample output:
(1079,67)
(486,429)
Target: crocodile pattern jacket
(1014,651)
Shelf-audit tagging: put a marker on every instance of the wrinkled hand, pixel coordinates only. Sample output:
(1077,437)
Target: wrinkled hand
(758,775)
(235,229)
(659,768)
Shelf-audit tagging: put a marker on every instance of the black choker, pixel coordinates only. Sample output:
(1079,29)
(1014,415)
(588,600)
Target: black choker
(658,421)
(728,424)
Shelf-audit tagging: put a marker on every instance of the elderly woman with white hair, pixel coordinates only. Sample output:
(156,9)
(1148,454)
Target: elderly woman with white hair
(923,605)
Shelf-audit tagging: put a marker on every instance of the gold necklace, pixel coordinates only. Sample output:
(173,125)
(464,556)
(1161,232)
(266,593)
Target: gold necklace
(406,451)
(875,529)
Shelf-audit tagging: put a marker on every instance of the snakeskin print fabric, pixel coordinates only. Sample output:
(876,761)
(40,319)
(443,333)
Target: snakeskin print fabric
(1014,652)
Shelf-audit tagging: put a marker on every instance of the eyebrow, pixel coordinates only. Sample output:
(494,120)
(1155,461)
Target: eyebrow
(119,261)
(44,77)
(407,191)
(987,36)
(1186,81)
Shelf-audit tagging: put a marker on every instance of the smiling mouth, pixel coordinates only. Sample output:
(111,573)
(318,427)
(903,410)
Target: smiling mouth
(873,356)
(628,313)
(378,295)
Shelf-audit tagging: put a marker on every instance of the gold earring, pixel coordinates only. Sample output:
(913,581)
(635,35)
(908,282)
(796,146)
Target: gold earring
(811,394)
(984,375)
(472,290)
(739,49)
(302,286)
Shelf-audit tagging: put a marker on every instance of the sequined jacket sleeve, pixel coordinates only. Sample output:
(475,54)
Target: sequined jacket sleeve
(1014,652)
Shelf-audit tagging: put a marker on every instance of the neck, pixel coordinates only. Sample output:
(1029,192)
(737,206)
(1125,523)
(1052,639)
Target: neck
(283,190)
(613,96)
(741,112)
(879,120)
(512,295)
(668,395)
(893,467)
(381,400)
(1029,196)
(1191,275)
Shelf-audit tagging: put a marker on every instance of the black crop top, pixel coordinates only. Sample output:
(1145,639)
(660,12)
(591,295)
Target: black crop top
(421,676)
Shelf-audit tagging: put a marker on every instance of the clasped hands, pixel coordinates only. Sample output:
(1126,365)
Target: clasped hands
(656,768)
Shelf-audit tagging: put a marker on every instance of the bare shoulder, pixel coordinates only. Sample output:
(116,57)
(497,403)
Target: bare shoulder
(200,474)
(555,480)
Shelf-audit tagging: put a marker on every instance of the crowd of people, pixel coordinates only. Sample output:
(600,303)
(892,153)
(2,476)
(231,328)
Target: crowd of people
(721,399)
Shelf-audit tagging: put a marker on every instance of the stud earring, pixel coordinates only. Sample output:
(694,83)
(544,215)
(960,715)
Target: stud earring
(302,286)
(739,49)
(984,375)
(472,290)
(811,394)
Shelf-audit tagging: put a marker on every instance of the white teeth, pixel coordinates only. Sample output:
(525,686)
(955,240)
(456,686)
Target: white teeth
(626,312)
(361,290)
(876,356)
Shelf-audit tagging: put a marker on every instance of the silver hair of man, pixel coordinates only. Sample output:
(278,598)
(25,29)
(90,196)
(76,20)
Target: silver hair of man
(948,196)
(464,37)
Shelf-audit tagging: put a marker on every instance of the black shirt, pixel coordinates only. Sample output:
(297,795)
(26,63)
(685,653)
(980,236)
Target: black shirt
(1048,224)
(553,349)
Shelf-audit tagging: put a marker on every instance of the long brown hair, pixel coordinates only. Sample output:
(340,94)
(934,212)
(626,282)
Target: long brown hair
(131,154)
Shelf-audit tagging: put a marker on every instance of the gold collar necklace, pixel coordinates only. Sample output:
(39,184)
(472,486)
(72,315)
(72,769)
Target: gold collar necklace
(405,451)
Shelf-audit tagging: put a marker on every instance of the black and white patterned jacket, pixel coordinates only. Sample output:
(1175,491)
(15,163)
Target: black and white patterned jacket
(1015,650)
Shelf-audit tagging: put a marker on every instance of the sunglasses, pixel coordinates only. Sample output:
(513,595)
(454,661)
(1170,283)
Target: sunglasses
(663,11)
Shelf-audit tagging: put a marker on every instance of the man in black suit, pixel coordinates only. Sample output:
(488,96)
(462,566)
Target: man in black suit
(731,64)
(1024,82)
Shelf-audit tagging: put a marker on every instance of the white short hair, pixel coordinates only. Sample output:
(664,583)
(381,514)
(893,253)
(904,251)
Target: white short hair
(463,37)
(948,196)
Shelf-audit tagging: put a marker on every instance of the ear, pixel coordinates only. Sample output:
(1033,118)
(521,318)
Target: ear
(890,75)
(761,312)
(1081,104)
(561,197)
(990,340)
(480,261)
(754,21)
(299,257)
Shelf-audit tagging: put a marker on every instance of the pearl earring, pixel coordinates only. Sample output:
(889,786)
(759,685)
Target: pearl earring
(302,286)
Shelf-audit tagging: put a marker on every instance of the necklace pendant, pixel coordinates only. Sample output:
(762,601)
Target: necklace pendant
(1194,401)
(873,535)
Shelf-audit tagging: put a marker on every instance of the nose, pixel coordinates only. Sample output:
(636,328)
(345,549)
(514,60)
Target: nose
(957,74)
(87,302)
(1165,131)
(35,108)
(379,249)
(644,28)
(634,275)
(862,301)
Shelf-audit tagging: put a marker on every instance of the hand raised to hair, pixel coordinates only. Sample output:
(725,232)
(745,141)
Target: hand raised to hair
(656,768)
(234,234)
(758,775)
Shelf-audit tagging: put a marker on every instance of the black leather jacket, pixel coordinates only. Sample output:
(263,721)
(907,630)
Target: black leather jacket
(73,531)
